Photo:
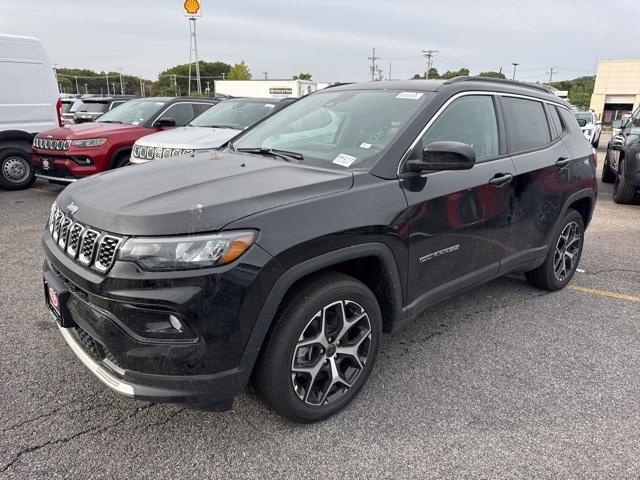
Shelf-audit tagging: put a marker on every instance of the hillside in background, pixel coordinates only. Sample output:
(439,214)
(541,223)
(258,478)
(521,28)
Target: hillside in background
(580,90)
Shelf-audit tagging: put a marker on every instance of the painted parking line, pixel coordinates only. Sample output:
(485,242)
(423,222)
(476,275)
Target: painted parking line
(605,293)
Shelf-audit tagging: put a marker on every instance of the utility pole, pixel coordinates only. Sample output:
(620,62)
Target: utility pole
(208,89)
(224,75)
(373,59)
(266,75)
(77,88)
(86,89)
(174,82)
(551,72)
(142,88)
(121,82)
(515,65)
(428,54)
(108,93)
(379,74)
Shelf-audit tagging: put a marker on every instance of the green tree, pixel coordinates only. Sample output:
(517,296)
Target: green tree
(580,90)
(175,80)
(492,74)
(90,81)
(463,72)
(302,76)
(240,71)
(433,74)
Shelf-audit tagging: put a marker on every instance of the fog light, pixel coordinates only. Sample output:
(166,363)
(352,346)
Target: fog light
(175,323)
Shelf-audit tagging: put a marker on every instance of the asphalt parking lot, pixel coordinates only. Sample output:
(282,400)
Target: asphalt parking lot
(504,382)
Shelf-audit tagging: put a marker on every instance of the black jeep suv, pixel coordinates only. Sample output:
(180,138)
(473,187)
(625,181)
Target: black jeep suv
(283,257)
(622,162)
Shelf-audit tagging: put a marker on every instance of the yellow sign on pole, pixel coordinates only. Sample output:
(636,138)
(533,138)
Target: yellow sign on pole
(192,8)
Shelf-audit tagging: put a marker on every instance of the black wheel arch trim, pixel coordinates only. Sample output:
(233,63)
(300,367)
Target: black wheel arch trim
(579,195)
(16,136)
(316,264)
(117,153)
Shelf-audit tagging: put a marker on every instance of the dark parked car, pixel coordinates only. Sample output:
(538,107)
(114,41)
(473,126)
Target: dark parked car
(622,162)
(285,256)
(93,108)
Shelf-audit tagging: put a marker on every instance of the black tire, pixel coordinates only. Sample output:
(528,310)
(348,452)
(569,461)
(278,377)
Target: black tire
(545,276)
(596,144)
(622,193)
(16,170)
(608,175)
(274,378)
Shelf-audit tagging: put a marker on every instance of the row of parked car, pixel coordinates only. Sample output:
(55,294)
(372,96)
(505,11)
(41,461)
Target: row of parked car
(88,108)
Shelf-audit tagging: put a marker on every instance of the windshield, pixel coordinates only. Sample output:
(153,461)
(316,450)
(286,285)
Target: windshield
(93,107)
(238,114)
(584,119)
(133,112)
(346,128)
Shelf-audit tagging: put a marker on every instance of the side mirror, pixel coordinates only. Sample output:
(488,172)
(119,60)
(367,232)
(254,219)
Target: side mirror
(616,124)
(440,156)
(165,122)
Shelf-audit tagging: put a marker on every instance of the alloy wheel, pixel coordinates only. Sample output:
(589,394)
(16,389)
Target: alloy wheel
(567,250)
(331,353)
(15,169)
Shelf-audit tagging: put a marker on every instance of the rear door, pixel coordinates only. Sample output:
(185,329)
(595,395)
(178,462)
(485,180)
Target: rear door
(458,220)
(544,175)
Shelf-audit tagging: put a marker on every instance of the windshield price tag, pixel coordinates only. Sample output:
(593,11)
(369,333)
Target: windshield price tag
(344,160)
(410,95)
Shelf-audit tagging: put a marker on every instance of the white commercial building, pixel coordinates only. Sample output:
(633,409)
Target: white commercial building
(267,88)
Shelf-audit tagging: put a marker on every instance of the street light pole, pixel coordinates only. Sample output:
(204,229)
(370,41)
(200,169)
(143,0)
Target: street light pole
(515,65)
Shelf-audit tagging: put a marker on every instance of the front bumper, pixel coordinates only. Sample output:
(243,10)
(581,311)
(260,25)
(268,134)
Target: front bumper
(60,168)
(206,372)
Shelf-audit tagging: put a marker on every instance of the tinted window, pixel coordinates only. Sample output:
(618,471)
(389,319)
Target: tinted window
(200,108)
(636,118)
(237,114)
(569,121)
(133,112)
(182,113)
(526,123)
(555,120)
(94,107)
(470,120)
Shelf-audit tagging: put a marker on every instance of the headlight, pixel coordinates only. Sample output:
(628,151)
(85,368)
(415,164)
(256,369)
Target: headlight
(187,253)
(89,142)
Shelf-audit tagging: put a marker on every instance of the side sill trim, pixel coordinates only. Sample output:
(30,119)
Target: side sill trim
(102,375)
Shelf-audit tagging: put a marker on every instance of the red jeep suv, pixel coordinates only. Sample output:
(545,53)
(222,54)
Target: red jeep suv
(73,152)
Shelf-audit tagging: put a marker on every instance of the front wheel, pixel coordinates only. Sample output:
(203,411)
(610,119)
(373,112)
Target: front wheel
(16,170)
(563,257)
(321,348)
(608,175)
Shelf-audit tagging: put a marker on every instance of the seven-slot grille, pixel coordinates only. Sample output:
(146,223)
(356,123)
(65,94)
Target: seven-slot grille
(89,247)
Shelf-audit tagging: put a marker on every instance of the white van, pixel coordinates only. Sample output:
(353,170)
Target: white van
(29,103)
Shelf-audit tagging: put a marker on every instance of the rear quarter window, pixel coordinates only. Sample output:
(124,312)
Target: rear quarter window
(526,123)
(555,121)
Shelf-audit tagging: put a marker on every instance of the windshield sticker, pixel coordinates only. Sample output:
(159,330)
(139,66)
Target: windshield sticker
(269,105)
(410,95)
(365,145)
(344,160)
(135,123)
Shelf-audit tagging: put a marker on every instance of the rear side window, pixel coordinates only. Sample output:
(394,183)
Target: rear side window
(182,113)
(526,123)
(200,108)
(555,121)
(471,120)
(569,120)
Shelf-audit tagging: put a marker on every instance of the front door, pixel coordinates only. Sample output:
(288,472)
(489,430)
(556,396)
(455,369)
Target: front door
(458,220)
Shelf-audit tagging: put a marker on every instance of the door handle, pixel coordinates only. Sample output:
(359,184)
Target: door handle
(500,179)
(562,161)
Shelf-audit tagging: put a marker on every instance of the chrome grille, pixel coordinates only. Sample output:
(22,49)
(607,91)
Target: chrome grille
(52,144)
(89,247)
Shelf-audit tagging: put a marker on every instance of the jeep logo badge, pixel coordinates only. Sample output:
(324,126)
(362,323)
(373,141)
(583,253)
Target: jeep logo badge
(73,208)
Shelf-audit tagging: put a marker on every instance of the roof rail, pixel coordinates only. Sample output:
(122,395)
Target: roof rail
(515,83)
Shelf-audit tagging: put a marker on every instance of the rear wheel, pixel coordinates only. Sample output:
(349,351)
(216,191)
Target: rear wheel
(321,348)
(622,193)
(563,258)
(16,170)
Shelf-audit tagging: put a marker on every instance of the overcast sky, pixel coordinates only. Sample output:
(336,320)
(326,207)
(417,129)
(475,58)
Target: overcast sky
(333,38)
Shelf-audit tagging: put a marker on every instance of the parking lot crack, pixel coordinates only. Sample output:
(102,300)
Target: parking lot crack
(89,431)
(85,408)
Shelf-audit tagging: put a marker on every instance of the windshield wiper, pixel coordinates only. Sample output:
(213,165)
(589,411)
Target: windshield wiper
(284,154)
(110,121)
(220,126)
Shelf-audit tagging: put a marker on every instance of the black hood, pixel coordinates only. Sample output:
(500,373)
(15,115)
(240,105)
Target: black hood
(190,195)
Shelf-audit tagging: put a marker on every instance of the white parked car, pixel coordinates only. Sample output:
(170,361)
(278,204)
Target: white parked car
(590,125)
(208,131)
(29,103)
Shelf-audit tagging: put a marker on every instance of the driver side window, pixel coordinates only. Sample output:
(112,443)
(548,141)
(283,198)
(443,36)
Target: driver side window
(471,120)
(182,113)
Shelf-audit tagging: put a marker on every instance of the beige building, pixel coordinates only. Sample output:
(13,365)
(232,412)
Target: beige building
(617,88)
